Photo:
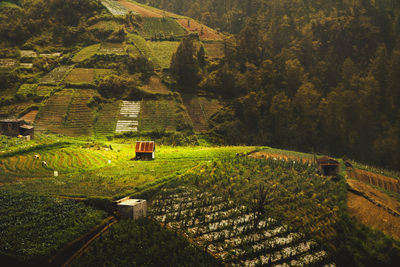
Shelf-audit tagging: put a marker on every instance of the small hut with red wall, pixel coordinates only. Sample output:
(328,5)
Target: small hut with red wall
(144,150)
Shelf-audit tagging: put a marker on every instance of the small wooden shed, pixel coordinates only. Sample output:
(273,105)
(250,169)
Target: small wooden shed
(328,166)
(15,127)
(26,130)
(144,150)
(10,127)
(132,208)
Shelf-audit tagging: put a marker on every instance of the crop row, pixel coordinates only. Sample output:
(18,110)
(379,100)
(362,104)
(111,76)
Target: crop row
(232,232)
(63,160)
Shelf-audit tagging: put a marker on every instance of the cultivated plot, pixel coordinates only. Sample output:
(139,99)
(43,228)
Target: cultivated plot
(128,119)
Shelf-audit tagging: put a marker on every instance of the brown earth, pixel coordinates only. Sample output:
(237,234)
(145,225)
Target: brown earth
(373,216)
(205,32)
(379,180)
(156,86)
(374,208)
(141,10)
(30,116)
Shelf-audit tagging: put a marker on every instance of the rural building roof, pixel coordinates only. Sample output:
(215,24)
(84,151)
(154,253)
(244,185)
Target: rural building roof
(145,146)
(26,127)
(11,120)
(327,161)
(131,202)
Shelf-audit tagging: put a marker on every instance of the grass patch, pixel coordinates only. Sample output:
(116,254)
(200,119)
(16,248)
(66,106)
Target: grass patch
(27,90)
(162,52)
(166,26)
(86,53)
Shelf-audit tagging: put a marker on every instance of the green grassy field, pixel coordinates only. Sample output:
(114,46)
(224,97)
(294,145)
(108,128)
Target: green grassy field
(207,193)
(166,26)
(158,115)
(86,53)
(162,52)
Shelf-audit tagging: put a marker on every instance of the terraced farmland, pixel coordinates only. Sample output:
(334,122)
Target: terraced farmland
(80,115)
(106,119)
(80,76)
(112,48)
(115,8)
(200,109)
(67,112)
(44,90)
(27,90)
(65,160)
(128,118)
(56,76)
(30,116)
(375,179)
(153,27)
(155,86)
(229,231)
(162,52)
(86,53)
(83,76)
(158,115)
(52,115)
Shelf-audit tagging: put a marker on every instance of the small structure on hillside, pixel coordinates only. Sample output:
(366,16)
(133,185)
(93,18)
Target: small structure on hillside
(144,150)
(15,127)
(132,208)
(328,166)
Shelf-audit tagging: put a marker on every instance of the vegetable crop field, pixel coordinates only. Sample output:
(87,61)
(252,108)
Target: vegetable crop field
(37,226)
(153,27)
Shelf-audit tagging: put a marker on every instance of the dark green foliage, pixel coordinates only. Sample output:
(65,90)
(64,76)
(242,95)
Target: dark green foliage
(143,243)
(49,21)
(308,75)
(185,65)
(33,227)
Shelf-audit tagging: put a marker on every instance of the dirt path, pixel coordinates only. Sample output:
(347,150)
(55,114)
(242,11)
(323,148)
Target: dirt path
(141,10)
(374,208)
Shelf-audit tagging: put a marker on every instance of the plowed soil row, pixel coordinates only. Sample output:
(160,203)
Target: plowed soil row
(374,208)
(141,10)
(381,181)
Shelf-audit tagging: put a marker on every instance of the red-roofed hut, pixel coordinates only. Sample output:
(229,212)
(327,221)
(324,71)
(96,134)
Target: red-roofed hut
(145,150)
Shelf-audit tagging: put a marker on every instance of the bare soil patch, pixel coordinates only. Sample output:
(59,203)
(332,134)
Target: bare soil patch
(375,196)
(141,10)
(30,116)
(379,180)
(156,86)
(372,215)
(205,32)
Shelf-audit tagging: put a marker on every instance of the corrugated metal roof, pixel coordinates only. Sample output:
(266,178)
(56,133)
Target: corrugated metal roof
(145,146)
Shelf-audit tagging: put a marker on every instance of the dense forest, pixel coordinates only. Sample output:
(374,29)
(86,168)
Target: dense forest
(311,75)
